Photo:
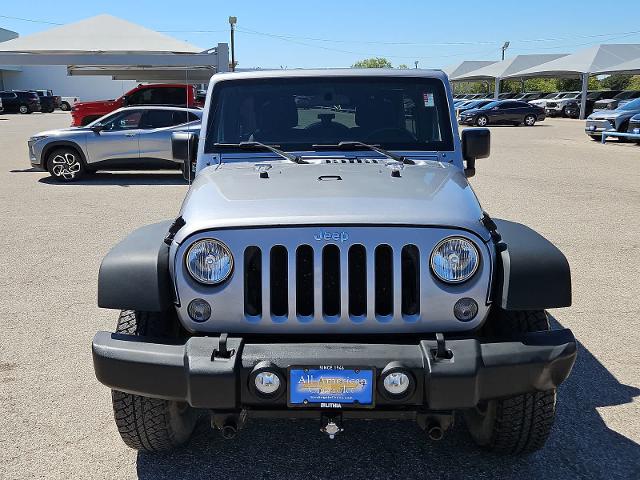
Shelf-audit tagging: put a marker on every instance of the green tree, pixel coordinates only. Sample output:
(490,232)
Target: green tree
(403,65)
(634,83)
(376,62)
(617,81)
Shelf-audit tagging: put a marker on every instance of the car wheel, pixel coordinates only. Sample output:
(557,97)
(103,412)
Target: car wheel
(520,423)
(24,109)
(64,106)
(482,121)
(151,424)
(65,165)
(530,120)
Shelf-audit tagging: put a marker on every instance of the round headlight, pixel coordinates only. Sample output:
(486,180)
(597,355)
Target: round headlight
(209,261)
(454,260)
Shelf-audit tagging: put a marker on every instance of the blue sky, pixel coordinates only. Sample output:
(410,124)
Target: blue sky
(338,33)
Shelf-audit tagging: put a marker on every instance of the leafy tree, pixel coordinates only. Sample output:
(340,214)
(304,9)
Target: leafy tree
(403,65)
(617,81)
(376,62)
(634,83)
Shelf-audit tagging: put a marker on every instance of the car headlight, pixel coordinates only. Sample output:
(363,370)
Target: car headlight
(454,260)
(209,261)
(37,137)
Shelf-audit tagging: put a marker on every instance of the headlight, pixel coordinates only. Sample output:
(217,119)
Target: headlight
(37,137)
(209,261)
(454,260)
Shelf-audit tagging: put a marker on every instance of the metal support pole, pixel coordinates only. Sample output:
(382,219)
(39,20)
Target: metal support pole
(496,93)
(583,95)
(232,23)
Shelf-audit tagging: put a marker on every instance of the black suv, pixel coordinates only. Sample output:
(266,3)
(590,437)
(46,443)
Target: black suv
(20,101)
(572,108)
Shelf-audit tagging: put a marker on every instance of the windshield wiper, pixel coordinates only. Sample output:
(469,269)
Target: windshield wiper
(381,151)
(277,151)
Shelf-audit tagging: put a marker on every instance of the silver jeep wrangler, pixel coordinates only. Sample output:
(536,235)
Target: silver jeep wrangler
(331,261)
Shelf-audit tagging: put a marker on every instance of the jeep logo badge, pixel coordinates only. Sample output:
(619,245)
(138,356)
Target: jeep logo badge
(328,236)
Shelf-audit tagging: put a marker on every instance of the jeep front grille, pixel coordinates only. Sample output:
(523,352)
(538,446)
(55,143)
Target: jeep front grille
(334,280)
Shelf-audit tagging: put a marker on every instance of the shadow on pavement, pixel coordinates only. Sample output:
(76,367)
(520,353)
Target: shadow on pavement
(581,446)
(101,179)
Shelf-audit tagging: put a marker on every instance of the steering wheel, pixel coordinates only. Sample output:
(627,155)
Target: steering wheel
(392,134)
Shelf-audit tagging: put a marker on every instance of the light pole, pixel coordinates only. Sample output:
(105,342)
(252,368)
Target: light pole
(504,47)
(416,63)
(232,23)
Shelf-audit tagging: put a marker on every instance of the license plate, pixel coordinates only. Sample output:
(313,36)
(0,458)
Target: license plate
(636,130)
(331,386)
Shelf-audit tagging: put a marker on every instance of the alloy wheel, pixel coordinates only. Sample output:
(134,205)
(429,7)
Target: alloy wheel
(530,120)
(482,121)
(65,165)
(24,109)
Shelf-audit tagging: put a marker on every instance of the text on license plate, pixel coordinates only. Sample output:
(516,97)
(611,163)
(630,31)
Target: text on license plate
(324,386)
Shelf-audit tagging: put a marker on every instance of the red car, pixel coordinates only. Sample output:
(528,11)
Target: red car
(181,95)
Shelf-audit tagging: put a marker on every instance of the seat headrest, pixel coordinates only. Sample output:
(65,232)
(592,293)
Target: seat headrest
(277,113)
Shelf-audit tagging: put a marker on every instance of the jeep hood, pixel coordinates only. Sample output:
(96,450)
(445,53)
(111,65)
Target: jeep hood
(234,195)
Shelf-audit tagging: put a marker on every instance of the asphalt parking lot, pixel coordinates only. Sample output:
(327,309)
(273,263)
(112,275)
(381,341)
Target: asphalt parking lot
(55,418)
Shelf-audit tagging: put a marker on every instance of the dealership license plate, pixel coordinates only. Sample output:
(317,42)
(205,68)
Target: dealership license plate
(331,386)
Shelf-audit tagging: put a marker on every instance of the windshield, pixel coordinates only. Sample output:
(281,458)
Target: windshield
(569,95)
(632,105)
(298,113)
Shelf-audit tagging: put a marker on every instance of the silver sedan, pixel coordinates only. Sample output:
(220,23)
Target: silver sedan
(132,138)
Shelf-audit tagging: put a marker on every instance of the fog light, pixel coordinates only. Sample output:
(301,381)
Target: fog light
(465,309)
(199,310)
(267,383)
(396,383)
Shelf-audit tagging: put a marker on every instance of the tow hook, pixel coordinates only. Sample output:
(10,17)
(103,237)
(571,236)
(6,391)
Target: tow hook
(331,424)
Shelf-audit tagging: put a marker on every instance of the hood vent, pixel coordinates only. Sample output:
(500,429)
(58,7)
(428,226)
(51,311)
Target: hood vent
(353,160)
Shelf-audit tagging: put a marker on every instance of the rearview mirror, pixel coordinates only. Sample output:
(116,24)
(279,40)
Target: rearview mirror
(476,143)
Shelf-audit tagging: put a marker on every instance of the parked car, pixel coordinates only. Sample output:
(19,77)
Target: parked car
(618,120)
(542,102)
(572,107)
(615,102)
(472,104)
(503,112)
(129,138)
(20,101)
(66,103)
(1,106)
(181,95)
(391,308)
(48,101)
(634,126)
(556,107)
(527,97)
(507,96)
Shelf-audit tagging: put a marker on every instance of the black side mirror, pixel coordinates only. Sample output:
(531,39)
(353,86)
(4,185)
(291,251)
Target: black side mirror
(125,100)
(97,129)
(184,147)
(476,143)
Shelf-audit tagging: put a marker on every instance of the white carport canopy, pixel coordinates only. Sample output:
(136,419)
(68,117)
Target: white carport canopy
(108,41)
(507,67)
(631,67)
(461,68)
(590,61)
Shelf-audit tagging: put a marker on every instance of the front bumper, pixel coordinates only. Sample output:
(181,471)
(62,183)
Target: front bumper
(193,373)
(593,127)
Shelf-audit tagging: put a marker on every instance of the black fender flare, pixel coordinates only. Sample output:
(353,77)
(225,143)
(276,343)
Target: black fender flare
(60,144)
(135,273)
(532,273)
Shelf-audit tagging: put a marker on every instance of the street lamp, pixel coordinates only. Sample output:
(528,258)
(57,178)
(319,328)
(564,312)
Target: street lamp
(504,47)
(232,23)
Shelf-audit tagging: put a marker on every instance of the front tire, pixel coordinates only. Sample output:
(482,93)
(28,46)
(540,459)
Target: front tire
(24,110)
(65,165)
(522,423)
(530,120)
(482,121)
(151,424)
(64,106)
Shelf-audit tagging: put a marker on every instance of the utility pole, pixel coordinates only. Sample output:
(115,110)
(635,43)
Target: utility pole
(232,23)
(416,63)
